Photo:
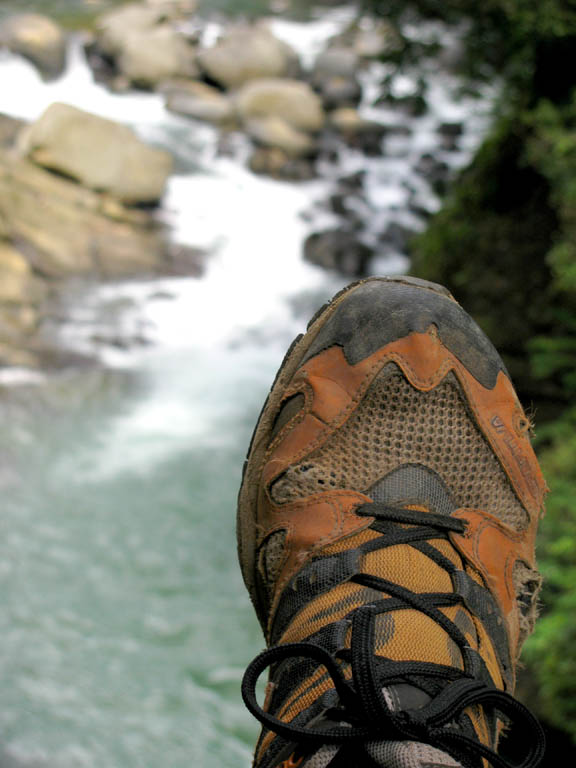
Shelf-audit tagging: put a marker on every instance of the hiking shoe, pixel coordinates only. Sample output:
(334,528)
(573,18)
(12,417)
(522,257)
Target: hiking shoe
(386,527)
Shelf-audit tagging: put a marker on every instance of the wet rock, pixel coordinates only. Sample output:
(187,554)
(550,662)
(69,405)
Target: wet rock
(98,153)
(348,207)
(435,171)
(277,133)
(149,57)
(291,100)
(397,237)
(413,104)
(340,92)
(199,101)
(278,164)
(245,54)
(353,182)
(366,135)
(450,134)
(38,39)
(338,249)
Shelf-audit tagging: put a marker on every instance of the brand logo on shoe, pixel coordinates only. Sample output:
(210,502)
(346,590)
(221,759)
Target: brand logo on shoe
(522,462)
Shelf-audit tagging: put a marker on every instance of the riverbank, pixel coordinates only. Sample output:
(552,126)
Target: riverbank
(370,184)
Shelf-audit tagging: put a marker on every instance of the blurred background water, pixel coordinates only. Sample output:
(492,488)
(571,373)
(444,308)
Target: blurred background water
(125,626)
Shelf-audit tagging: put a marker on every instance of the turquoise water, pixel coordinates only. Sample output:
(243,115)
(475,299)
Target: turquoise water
(125,626)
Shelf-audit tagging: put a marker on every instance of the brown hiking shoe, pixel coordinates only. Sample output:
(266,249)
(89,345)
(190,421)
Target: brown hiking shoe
(386,528)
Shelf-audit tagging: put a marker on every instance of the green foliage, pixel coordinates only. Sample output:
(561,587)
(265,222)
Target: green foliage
(550,651)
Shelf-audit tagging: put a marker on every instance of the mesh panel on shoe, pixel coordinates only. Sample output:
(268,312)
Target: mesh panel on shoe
(270,555)
(322,757)
(409,754)
(396,424)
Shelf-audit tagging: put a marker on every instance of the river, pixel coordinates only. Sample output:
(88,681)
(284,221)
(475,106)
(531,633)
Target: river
(125,626)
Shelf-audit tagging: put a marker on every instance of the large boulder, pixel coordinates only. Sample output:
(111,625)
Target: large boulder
(245,54)
(149,57)
(290,100)
(113,27)
(64,229)
(142,44)
(98,153)
(38,39)
(199,101)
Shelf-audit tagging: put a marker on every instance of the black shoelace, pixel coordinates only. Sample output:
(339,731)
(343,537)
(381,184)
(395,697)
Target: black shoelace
(362,706)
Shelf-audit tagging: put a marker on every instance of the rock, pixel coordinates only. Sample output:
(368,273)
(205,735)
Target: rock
(353,182)
(245,54)
(347,120)
(366,135)
(435,171)
(276,163)
(376,39)
(98,153)
(340,92)
(335,62)
(115,26)
(38,39)
(293,101)
(397,237)
(277,133)
(10,127)
(413,104)
(17,283)
(450,134)
(151,56)
(338,249)
(334,77)
(451,129)
(200,101)
(17,321)
(140,42)
(63,229)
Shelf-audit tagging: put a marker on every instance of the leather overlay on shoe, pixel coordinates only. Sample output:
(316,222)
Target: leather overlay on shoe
(393,519)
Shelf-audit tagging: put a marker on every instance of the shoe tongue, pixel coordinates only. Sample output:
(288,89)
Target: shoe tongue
(408,486)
